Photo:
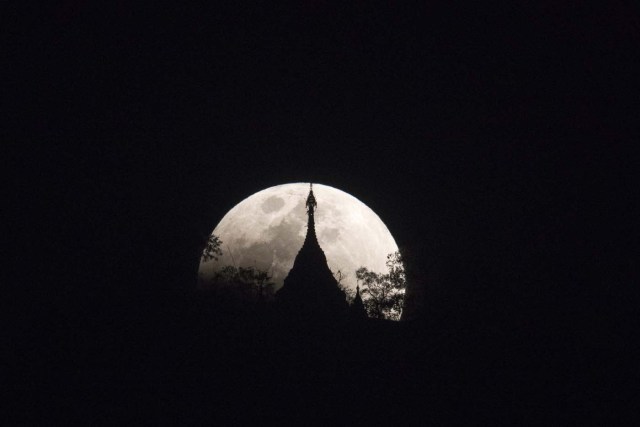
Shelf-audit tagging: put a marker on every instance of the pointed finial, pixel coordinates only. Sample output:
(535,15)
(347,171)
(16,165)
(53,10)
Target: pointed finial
(311,200)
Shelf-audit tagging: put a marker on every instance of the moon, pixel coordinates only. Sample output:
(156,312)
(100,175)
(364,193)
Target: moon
(267,229)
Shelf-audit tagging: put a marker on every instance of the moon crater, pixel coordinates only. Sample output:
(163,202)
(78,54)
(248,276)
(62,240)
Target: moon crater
(272,204)
(330,235)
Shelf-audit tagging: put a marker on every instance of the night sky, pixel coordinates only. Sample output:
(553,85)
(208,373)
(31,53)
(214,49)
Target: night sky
(492,140)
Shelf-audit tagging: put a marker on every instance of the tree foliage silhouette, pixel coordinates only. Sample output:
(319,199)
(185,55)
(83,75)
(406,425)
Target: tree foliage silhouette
(246,282)
(383,294)
(242,282)
(212,249)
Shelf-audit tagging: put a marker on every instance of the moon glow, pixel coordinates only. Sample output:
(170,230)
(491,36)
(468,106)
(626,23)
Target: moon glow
(266,231)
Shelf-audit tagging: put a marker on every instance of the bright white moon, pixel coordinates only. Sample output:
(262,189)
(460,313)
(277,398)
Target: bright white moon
(267,229)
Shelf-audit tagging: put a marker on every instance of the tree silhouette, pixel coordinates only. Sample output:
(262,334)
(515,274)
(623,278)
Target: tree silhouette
(212,249)
(236,282)
(245,283)
(383,294)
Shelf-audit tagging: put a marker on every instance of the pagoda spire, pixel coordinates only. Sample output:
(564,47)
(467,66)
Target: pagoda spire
(311,208)
(311,201)
(310,290)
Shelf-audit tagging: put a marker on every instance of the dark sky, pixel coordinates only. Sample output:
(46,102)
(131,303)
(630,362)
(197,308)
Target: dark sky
(483,135)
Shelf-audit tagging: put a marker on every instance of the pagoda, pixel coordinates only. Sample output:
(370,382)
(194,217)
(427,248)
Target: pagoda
(310,290)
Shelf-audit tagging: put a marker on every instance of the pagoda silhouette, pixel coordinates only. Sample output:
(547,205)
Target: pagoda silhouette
(310,290)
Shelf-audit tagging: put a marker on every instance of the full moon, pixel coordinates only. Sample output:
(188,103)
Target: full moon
(266,231)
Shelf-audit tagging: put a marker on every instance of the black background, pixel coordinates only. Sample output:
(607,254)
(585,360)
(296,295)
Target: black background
(494,140)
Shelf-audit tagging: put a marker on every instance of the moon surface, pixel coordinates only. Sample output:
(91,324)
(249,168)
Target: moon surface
(266,231)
